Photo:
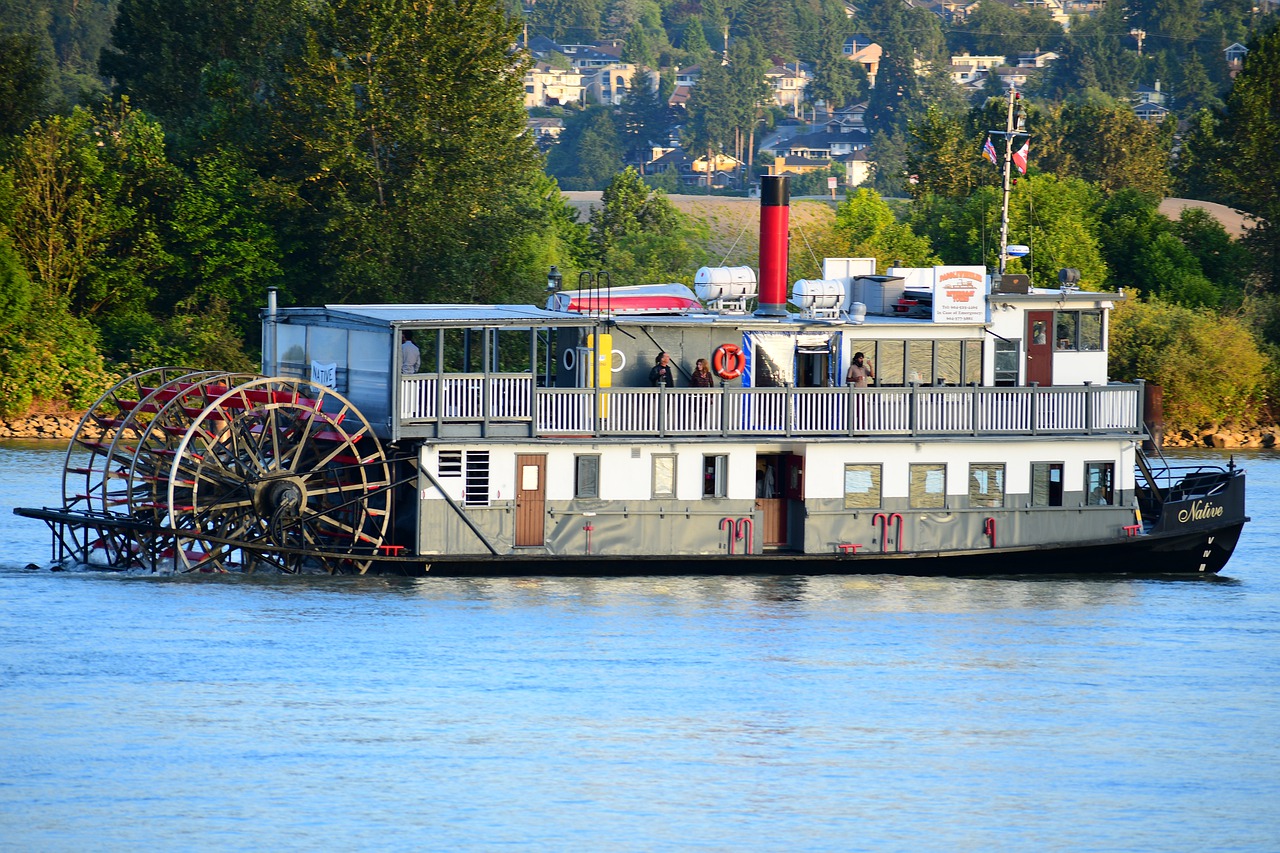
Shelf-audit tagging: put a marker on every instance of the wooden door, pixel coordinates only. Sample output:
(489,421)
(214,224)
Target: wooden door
(771,499)
(531,499)
(1040,347)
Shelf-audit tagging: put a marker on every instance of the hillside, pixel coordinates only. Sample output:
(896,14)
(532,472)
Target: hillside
(734,224)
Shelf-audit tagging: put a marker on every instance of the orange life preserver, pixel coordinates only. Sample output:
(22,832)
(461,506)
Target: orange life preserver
(729,361)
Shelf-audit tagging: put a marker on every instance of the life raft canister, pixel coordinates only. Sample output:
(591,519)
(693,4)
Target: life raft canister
(728,361)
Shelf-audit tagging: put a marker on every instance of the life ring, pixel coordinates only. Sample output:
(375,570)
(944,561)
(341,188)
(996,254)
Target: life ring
(728,361)
(570,359)
(618,358)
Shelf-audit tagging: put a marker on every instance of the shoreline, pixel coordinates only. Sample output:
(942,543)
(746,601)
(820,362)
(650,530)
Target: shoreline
(1225,436)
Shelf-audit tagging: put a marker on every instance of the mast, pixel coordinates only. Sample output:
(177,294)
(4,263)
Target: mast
(1014,125)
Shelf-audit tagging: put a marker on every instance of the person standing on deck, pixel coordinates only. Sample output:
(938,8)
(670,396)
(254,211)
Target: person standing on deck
(859,372)
(662,374)
(701,376)
(410,358)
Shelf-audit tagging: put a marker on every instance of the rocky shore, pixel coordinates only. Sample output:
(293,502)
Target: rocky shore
(1221,436)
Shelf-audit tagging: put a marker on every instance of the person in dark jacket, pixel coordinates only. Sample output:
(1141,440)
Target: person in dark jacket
(662,373)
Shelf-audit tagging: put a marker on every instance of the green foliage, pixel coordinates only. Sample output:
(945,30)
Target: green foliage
(1211,367)
(942,156)
(1102,141)
(867,228)
(638,236)
(24,82)
(589,152)
(48,354)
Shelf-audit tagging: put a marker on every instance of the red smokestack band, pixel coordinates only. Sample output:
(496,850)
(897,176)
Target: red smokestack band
(775,201)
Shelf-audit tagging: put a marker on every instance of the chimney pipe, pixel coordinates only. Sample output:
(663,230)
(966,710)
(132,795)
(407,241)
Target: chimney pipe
(775,201)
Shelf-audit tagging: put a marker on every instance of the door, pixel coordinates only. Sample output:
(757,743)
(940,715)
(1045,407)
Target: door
(771,501)
(531,499)
(1040,347)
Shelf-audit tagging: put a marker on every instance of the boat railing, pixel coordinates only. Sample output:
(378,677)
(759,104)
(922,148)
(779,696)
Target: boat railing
(909,410)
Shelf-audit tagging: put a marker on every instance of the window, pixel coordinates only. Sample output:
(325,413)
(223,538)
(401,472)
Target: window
(973,362)
(472,468)
(664,476)
(715,476)
(920,362)
(946,359)
(1079,330)
(928,486)
(1006,362)
(1067,324)
(1046,484)
(586,476)
(476,490)
(861,487)
(1099,483)
(986,485)
(1091,331)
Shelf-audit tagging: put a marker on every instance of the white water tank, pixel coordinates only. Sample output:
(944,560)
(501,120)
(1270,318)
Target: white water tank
(822,294)
(723,283)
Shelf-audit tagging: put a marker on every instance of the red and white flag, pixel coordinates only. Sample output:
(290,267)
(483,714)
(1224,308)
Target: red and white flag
(1020,157)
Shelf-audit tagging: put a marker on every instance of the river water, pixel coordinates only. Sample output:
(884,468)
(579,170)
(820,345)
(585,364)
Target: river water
(878,713)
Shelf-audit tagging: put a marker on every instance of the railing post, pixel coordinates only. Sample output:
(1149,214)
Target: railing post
(724,409)
(533,406)
(662,409)
(595,408)
(849,407)
(787,409)
(1035,408)
(1088,407)
(973,402)
(913,409)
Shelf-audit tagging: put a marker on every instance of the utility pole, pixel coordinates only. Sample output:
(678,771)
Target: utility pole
(1139,35)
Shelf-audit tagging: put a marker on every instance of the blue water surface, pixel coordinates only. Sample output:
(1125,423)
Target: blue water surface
(788,713)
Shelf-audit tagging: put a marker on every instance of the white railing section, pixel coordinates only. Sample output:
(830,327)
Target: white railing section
(913,410)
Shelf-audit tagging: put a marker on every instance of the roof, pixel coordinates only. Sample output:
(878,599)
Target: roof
(411,315)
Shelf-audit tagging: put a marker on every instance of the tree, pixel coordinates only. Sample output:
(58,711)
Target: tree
(866,227)
(694,43)
(1210,366)
(644,117)
(24,82)
(836,81)
(944,156)
(589,152)
(402,135)
(1247,160)
(1104,142)
(1094,56)
(639,236)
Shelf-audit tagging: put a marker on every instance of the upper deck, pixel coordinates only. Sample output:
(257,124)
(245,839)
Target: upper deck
(1034,365)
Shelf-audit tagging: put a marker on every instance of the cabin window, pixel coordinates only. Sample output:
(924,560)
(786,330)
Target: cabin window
(715,476)
(862,487)
(890,363)
(973,363)
(986,484)
(1079,330)
(586,476)
(1006,366)
(1067,324)
(1091,331)
(920,362)
(664,475)
(472,468)
(476,489)
(946,360)
(928,486)
(1046,484)
(1099,483)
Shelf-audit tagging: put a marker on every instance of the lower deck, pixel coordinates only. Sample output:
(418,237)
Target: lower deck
(713,499)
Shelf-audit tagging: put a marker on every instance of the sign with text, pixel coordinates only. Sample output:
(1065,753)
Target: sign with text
(324,374)
(959,294)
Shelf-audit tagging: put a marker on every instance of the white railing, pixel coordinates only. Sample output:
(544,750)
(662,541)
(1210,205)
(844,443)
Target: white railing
(921,410)
(462,397)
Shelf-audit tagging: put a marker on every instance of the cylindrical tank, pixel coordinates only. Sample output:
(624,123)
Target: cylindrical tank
(817,293)
(714,283)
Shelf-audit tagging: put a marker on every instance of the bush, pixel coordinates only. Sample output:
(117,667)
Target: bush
(1211,367)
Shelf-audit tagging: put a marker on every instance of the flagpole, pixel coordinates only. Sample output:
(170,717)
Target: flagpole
(1008,165)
